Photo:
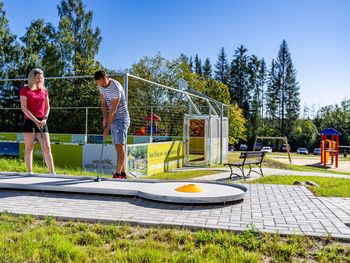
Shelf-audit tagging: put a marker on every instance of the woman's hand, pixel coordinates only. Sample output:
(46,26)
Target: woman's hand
(43,122)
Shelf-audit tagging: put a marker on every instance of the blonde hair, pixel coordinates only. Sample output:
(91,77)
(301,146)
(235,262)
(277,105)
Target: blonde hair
(31,77)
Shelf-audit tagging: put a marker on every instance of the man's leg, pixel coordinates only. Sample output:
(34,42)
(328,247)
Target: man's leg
(119,130)
(120,158)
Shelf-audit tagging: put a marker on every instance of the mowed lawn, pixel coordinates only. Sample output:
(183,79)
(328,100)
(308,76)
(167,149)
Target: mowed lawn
(329,187)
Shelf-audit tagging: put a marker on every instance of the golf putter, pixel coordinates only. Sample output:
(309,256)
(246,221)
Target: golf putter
(98,178)
(42,138)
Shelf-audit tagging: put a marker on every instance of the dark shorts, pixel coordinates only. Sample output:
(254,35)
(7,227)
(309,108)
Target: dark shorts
(29,126)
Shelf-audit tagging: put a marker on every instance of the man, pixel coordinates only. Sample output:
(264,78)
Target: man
(115,117)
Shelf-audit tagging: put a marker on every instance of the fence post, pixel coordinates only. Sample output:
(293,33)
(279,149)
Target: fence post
(126,90)
(86,124)
(151,130)
(126,83)
(221,133)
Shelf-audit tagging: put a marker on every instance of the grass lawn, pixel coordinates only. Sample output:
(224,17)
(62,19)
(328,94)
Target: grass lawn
(272,163)
(329,187)
(15,165)
(182,175)
(28,239)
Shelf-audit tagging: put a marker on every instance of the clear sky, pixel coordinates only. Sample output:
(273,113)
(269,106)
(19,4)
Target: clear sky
(317,33)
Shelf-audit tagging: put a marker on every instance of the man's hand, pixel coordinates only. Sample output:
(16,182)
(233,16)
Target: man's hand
(105,133)
(104,123)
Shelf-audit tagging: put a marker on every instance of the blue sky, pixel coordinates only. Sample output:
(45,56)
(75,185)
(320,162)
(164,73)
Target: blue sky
(317,32)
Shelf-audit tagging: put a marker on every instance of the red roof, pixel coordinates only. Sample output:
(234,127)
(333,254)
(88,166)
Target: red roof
(153,117)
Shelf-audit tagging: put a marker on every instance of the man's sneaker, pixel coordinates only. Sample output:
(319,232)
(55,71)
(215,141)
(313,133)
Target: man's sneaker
(123,175)
(116,175)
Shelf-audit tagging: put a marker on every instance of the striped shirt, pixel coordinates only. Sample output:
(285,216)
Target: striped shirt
(115,91)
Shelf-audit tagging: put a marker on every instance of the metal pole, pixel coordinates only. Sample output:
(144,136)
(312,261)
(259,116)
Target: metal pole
(221,134)
(151,126)
(126,91)
(126,83)
(209,147)
(86,124)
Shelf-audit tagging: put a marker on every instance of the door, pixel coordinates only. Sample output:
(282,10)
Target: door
(196,134)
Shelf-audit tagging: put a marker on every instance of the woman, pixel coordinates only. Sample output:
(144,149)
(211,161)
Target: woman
(36,108)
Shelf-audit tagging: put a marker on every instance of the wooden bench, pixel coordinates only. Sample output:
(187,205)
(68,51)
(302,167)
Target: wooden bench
(256,158)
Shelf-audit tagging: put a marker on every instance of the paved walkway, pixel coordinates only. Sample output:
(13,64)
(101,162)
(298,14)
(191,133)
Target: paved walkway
(269,208)
(267,171)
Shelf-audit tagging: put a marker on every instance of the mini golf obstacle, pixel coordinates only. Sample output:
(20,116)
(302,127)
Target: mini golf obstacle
(183,192)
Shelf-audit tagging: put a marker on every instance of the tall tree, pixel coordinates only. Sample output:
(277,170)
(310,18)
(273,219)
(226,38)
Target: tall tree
(41,49)
(255,119)
(239,80)
(262,81)
(9,47)
(272,93)
(222,67)
(9,59)
(79,42)
(207,71)
(190,64)
(283,100)
(197,65)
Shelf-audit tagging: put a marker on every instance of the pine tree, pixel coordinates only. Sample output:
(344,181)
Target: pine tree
(289,89)
(254,86)
(283,100)
(262,80)
(272,93)
(207,71)
(239,80)
(222,67)
(190,64)
(197,65)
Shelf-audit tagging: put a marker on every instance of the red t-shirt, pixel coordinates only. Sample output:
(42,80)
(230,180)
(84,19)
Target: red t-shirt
(35,101)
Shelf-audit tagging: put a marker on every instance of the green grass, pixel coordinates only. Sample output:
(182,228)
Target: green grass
(272,163)
(329,187)
(16,165)
(183,175)
(28,239)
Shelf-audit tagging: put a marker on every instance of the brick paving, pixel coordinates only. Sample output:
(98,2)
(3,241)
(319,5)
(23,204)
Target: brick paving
(269,208)
(339,206)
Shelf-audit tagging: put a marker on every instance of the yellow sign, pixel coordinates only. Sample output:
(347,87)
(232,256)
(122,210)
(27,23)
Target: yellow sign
(165,156)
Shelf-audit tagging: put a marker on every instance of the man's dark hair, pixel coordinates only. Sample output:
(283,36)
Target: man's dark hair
(100,74)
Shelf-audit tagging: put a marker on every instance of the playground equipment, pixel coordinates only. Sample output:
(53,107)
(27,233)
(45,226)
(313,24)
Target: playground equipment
(275,138)
(151,125)
(329,147)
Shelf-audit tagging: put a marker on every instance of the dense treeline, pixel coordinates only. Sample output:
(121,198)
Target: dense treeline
(263,97)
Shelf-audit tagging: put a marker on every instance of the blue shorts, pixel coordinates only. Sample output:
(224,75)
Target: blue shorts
(119,130)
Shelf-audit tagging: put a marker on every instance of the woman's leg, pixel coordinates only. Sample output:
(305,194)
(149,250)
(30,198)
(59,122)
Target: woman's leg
(28,152)
(46,148)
